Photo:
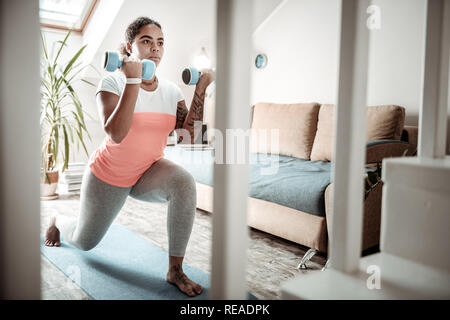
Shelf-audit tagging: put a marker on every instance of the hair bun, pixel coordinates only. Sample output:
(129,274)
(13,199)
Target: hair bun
(123,49)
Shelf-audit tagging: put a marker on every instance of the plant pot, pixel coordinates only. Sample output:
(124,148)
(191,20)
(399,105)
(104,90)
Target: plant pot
(49,185)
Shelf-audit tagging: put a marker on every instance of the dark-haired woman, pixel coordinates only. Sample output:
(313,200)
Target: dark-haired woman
(137,116)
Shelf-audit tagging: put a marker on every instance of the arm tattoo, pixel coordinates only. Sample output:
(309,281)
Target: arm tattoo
(180,276)
(182,112)
(186,119)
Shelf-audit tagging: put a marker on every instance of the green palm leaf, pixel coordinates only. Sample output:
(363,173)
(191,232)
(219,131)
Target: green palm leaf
(66,149)
(44,46)
(69,127)
(61,109)
(63,44)
(88,82)
(72,61)
(82,142)
(56,144)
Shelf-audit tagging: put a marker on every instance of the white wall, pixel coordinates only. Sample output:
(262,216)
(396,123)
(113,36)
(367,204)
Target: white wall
(262,9)
(73,44)
(100,22)
(185,32)
(396,56)
(396,61)
(301,44)
(300,40)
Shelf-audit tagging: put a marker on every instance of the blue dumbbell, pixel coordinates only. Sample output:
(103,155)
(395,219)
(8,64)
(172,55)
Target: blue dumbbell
(111,62)
(191,75)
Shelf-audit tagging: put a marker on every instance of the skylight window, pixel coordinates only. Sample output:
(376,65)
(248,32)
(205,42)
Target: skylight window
(65,14)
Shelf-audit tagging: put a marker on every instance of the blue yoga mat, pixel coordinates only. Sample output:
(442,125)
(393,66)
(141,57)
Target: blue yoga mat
(123,266)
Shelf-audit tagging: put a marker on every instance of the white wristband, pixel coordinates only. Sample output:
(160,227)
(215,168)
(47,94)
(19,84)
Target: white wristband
(134,80)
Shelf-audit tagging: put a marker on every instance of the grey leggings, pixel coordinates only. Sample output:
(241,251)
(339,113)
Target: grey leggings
(164,181)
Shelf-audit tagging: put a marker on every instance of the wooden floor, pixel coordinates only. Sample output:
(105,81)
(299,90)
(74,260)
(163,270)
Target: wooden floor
(271,260)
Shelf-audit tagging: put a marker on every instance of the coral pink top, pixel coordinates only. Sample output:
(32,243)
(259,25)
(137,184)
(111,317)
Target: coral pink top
(154,118)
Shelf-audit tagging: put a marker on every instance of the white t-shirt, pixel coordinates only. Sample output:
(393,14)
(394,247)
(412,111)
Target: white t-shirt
(163,100)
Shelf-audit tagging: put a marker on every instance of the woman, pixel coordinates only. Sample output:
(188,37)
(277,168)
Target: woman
(137,118)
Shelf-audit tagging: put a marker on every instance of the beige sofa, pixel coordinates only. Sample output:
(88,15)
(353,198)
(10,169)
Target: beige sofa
(306,132)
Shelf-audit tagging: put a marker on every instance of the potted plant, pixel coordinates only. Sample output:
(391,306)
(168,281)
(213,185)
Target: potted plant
(62,115)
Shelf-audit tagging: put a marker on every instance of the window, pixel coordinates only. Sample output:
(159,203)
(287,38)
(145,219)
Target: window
(65,14)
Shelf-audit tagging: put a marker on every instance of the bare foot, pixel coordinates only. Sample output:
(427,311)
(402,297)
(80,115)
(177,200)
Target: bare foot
(177,277)
(52,234)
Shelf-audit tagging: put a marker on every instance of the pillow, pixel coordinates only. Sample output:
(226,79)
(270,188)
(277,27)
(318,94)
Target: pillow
(323,141)
(383,122)
(296,125)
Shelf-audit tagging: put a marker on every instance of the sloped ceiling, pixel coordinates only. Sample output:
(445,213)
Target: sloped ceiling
(262,9)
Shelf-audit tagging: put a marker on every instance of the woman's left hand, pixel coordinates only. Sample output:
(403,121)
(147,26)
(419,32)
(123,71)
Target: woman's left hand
(206,77)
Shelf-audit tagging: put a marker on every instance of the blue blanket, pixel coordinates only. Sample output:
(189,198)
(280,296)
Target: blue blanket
(292,182)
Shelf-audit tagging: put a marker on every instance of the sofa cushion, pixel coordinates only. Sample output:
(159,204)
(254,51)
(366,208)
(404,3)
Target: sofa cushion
(323,141)
(297,124)
(383,122)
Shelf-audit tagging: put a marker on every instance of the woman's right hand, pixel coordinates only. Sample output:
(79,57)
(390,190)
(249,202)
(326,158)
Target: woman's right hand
(131,67)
